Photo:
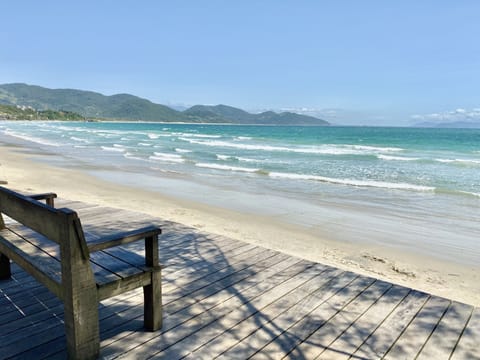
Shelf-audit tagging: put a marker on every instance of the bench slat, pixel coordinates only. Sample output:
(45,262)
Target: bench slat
(114,265)
(40,217)
(35,261)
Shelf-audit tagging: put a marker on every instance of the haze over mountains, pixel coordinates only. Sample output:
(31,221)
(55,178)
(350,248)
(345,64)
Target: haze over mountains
(129,107)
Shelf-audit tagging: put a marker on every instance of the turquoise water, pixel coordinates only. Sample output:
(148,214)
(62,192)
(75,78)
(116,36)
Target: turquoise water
(408,188)
(407,159)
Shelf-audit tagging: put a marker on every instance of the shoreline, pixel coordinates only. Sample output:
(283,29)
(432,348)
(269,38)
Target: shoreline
(444,278)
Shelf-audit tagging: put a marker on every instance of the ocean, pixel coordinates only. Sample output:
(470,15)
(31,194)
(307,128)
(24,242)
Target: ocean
(423,179)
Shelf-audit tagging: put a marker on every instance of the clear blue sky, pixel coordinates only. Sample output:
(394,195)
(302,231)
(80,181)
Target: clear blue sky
(351,62)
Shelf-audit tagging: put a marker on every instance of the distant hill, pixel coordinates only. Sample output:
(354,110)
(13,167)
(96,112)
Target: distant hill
(87,103)
(129,107)
(8,112)
(238,116)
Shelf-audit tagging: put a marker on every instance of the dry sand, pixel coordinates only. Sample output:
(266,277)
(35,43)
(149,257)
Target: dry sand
(442,278)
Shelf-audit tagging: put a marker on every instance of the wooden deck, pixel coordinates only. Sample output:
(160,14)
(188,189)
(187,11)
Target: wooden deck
(232,300)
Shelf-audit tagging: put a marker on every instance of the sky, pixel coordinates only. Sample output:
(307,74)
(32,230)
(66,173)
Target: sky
(349,62)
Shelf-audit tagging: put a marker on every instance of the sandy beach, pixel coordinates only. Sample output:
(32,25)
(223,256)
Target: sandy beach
(404,266)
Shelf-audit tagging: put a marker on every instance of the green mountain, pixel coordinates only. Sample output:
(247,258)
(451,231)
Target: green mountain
(128,107)
(224,113)
(87,103)
(8,112)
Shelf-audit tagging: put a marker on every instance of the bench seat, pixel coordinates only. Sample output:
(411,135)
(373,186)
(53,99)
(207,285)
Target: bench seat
(112,268)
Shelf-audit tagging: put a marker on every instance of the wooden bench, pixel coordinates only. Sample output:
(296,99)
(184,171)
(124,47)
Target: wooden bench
(50,244)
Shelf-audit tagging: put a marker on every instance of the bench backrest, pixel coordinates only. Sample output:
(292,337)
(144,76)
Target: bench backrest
(39,217)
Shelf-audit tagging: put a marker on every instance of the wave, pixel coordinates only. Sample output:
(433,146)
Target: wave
(129,155)
(244,159)
(226,167)
(31,138)
(74,138)
(396,158)
(237,158)
(144,144)
(471,193)
(459,161)
(206,136)
(224,157)
(351,182)
(457,192)
(183,151)
(167,157)
(116,149)
(323,149)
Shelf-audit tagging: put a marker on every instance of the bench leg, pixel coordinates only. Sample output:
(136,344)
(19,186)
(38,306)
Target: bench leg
(5,271)
(81,325)
(152,297)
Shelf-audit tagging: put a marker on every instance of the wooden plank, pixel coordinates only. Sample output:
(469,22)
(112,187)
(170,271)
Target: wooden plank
(253,334)
(216,277)
(418,331)
(52,308)
(18,305)
(46,269)
(378,343)
(122,238)
(364,297)
(135,343)
(113,266)
(362,328)
(40,217)
(179,279)
(123,285)
(257,283)
(252,313)
(467,347)
(441,343)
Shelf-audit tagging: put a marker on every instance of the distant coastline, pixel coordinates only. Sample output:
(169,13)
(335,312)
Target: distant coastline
(95,106)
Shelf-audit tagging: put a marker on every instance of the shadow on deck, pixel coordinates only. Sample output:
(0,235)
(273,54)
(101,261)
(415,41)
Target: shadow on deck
(228,299)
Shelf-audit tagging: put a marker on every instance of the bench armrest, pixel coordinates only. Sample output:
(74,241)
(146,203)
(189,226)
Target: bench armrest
(45,196)
(123,238)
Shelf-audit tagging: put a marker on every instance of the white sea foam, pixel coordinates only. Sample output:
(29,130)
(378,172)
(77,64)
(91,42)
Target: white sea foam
(460,161)
(31,138)
(167,157)
(237,158)
(129,155)
(351,182)
(183,151)
(226,167)
(74,138)
(206,136)
(144,144)
(470,193)
(119,146)
(116,149)
(244,138)
(322,149)
(244,159)
(153,136)
(397,158)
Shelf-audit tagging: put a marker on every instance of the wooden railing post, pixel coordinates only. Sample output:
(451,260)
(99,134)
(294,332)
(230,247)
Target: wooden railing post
(152,294)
